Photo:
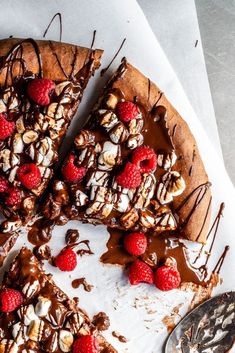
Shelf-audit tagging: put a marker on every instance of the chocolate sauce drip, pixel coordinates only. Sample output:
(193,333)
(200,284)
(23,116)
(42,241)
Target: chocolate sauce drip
(82,252)
(76,283)
(120,338)
(101,321)
(58,14)
(93,39)
(160,96)
(214,229)
(103,71)
(220,262)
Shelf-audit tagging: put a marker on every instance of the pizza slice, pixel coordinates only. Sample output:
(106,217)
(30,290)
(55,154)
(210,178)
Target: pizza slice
(135,166)
(41,85)
(37,316)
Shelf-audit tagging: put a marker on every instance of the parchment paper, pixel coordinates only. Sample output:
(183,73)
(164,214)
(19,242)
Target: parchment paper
(140,320)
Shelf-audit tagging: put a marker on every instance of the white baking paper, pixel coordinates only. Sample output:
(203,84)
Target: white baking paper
(139,320)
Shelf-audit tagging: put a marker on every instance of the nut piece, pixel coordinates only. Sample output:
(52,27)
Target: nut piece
(99,210)
(121,202)
(119,133)
(8,160)
(61,87)
(30,136)
(172,184)
(55,110)
(166,160)
(87,157)
(147,219)
(31,289)
(29,203)
(75,322)
(81,198)
(35,330)
(129,219)
(65,340)
(164,219)
(101,194)
(145,191)
(111,101)
(19,333)
(109,156)
(99,178)
(8,346)
(107,119)
(135,126)
(42,307)
(27,314)
(20,125)
(43,152)
(134,141)
(84,138)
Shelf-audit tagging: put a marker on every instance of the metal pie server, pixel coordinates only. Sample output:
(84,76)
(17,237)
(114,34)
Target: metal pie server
(209,328)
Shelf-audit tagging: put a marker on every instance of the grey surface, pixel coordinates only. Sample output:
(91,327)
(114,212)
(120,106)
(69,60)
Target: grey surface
(217,25)
(171,24)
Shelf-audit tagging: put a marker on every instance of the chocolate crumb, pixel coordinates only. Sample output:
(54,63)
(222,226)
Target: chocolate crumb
(196,43)
(119,337)
(76,283)
(101,321)
(72,236)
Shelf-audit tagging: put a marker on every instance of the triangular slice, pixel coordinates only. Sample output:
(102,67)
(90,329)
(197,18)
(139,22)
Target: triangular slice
(110,178)
(47,320)
(42,83)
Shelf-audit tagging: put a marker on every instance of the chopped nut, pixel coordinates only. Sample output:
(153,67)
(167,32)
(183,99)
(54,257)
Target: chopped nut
(42,307)
(166,160)
(129,219)
(108,119)
(65,340)
(17,143)
(20,125)
(134,141)
(84,138)
(30,136)
(135,126)
(147,218)
(109,156)
(35,330)
(8,346)
(118,133)
(111,101)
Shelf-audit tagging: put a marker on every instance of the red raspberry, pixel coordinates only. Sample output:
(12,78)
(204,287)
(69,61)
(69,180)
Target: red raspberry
(29,175)
(14,197)
(135,243)
(66,260)
(167,278)
(40,89)
(6,127)
(10,299)
(71,172)
(140,272)
(145,159)
(3,184)
(127,111)
(85,344)
(130,177)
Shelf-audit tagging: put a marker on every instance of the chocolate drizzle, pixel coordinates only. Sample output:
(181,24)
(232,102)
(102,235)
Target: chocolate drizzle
(15,55)
(103,71)
(93,39)
(58,14)
(200,192)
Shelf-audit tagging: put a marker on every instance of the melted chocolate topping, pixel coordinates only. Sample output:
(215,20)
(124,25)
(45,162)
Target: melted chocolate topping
(76,283)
